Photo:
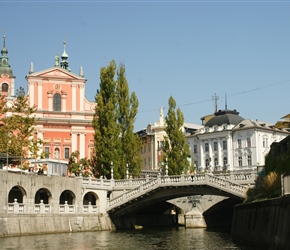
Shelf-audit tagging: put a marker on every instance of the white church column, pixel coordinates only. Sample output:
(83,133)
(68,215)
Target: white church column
(74,96)
(74,141)
(82,145)
(11,89)
(40,136)
(82,94)
(49,97)
(31,93)
(39,96)
(63,101)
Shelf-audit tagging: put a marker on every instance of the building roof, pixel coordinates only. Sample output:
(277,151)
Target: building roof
(249,123)
(225,116)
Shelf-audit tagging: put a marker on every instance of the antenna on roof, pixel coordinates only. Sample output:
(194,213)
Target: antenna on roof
(226,102)
(215,98)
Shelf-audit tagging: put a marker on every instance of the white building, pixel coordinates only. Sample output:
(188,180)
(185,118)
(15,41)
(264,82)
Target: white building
(153,139)
(228,142)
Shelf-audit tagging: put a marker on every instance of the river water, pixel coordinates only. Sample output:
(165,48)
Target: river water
(167,239)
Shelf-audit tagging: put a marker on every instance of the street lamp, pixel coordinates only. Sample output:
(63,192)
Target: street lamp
(112,171)
(127,171)
(166,168)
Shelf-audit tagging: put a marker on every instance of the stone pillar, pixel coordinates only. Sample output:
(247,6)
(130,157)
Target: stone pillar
(49,97)
(194,219)
(74,96)
(82,94)
(39,96)
(74,141)
(31,93)
(82,145)
(63,101)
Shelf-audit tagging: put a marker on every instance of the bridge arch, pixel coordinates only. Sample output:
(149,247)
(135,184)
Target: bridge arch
(43,195)
(67,196)
(17,192)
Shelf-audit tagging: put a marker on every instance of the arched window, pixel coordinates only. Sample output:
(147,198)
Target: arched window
(225,161)
(4,87)
(56,102)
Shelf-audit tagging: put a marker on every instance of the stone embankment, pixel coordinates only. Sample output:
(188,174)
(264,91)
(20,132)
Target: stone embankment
(29,224)
(264,224)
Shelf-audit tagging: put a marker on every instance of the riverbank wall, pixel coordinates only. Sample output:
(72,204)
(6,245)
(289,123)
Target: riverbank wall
(29,224)
(264,224)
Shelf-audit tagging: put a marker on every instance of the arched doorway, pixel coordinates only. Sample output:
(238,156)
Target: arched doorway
(91,198)
(43,195)
(67,196)
(18,193)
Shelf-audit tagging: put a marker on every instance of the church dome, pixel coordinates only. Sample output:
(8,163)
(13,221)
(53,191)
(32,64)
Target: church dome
(225,117)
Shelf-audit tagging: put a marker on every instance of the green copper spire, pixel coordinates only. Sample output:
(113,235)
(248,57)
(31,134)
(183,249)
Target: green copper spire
(64,57)
(4,65)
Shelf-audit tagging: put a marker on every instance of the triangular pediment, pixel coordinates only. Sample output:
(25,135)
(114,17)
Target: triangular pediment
(56,72)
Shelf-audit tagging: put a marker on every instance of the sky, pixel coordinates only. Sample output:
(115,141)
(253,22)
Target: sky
(190,50)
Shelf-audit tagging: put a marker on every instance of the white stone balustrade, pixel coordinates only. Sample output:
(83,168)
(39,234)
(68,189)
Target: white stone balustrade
(232,183)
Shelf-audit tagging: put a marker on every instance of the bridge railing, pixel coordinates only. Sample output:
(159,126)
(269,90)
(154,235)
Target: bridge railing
(41,208)
(241,178)
(114,184)
(234,183)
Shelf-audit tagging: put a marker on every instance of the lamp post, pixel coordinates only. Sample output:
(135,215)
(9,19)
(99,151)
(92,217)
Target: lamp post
(112,171)
(166,168)
(127,171)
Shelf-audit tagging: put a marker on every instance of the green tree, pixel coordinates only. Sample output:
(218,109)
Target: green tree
(113,123)
(127,112)
(79,167)
(176,149)
(17,126)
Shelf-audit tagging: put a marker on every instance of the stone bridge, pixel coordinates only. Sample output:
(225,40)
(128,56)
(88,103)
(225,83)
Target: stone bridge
(164,188)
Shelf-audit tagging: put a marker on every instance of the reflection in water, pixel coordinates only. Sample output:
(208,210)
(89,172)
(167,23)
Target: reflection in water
(169,239)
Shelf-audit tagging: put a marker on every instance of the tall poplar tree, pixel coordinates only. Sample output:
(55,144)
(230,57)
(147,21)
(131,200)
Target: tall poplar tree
(176,149)
(128,109)
(114,123)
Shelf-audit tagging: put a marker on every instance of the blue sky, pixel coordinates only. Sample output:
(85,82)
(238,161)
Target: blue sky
(190,50)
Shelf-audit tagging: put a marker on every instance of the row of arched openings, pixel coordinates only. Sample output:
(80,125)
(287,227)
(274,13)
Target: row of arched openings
(44,195)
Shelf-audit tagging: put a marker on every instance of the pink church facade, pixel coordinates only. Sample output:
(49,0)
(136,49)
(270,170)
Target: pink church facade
(64,115)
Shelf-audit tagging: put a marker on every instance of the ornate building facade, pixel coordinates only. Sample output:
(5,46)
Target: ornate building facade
(64,115)
(153,138)
(228,142)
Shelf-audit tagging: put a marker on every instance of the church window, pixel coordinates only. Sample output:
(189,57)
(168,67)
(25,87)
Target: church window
(195,148)
(239,143)
(46,152)
(56,102)
(4,87)
(66,153)
(206,147)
